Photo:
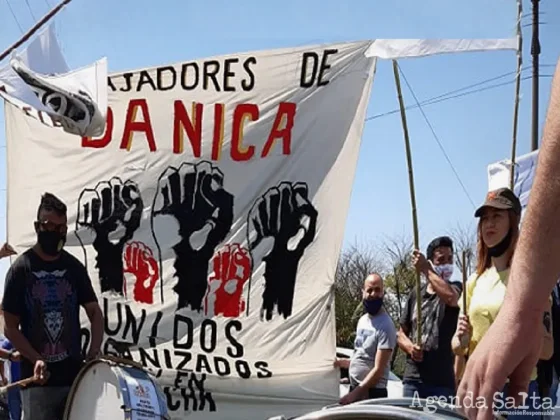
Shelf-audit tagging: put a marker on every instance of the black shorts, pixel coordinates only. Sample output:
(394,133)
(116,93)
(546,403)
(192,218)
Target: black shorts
(374,392)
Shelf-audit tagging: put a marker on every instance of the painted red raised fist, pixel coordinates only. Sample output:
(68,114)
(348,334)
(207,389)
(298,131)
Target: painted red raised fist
(140,262)
(232,269)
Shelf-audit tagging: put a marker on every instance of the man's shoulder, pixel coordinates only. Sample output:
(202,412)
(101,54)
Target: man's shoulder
(22,262)
(71,261)
(384,322)
(364,321)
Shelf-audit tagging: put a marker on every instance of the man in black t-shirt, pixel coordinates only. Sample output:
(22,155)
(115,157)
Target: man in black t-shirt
(44,290)
(429,367)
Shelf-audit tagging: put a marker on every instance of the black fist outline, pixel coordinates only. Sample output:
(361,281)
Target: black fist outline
(194,195)
(281,213)
(110,208)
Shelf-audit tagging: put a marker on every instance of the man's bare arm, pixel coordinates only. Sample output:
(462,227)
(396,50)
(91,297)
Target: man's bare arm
(382,358)
(342,363)
(536,266)
(443,289)
(403,341)
(95,316)
(459,367)
(13,333)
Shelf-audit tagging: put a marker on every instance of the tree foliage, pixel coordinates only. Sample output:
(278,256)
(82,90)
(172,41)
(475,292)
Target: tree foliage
(464,238)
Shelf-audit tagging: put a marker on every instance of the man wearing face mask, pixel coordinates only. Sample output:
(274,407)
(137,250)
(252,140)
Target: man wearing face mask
(429,370)
(44,290)
(376,338)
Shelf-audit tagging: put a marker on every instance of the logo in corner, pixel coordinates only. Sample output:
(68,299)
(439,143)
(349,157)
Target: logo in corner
(141,392)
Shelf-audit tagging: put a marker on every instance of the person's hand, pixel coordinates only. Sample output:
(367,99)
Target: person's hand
(356,395)
(40,372)
(15,357)
(7,251)
(509,349)
(464,330)
(342,363)
(416,353)
(420,262)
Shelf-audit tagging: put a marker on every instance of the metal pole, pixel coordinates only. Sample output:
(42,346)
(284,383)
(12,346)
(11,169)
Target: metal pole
(535,51)
(517,89)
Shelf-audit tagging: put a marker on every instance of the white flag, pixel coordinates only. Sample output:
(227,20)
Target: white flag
(39,82)
(525,166)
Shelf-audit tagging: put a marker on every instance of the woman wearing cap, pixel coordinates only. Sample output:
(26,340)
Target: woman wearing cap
(498,230)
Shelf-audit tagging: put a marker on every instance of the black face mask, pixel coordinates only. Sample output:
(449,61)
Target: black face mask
(373,306)
(51,243)
(499,249)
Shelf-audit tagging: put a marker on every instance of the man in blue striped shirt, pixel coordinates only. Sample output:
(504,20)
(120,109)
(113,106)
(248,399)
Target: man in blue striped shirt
(14,399)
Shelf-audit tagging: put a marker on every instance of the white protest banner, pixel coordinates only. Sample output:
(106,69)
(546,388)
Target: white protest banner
(210,216)
(388,49)
(499,175)
(39,82)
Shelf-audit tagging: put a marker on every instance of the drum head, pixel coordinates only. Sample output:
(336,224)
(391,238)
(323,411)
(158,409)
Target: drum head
(96,395)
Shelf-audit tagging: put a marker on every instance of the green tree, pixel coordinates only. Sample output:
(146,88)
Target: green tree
(464,239)
(398,284)
(354,265)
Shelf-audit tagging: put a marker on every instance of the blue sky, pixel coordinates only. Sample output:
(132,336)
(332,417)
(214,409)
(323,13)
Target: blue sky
(475,130)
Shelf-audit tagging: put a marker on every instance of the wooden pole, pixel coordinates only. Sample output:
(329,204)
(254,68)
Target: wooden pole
(464,262)
(35,28)
(466,339)
(21,383)
(517,89)
(412,199)
(398,290)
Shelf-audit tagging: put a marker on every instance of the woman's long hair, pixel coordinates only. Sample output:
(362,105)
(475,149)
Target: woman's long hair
(483,258)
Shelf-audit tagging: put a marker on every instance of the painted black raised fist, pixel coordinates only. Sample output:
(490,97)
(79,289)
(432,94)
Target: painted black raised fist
(285,214)
(112,210)
(194,195)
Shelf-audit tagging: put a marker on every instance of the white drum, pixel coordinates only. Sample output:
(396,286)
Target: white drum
(106,389)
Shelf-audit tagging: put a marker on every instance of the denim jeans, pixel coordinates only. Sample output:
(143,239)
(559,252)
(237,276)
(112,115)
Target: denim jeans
(417,389)
(14,403)
(531,405)
(44,403)
(374,393)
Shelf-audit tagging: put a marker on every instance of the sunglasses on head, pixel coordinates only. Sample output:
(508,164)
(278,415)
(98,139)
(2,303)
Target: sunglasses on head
(51,226)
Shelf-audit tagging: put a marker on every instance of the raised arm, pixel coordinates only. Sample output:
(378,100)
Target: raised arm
(443,289)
